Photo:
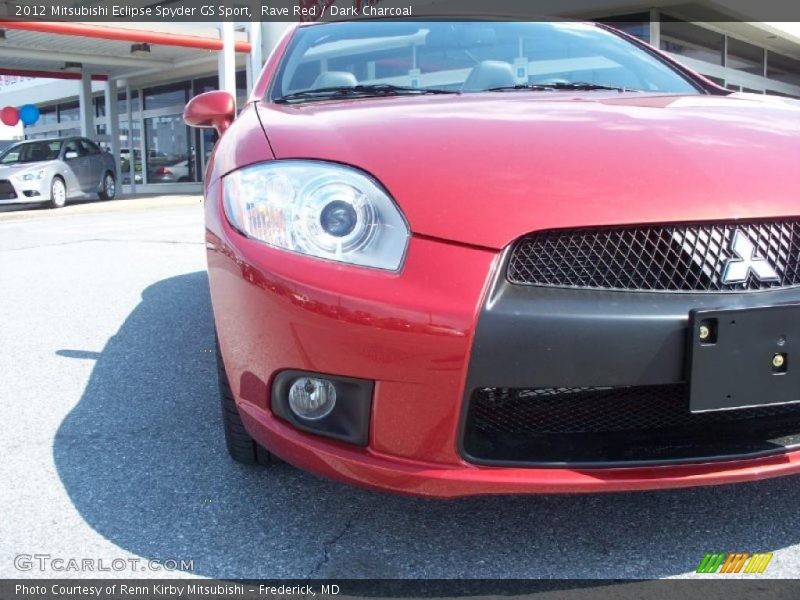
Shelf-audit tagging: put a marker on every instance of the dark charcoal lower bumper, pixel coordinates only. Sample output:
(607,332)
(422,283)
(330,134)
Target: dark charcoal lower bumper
(587,378)
(618,426)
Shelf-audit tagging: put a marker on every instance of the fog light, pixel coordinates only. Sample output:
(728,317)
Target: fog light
(328,405)
(311,398)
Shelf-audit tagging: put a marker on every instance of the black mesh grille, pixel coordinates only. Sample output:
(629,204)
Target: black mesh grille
(616,424)
(669,257)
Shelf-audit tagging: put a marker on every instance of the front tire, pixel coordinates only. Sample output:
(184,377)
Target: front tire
(241,447)
(109,187)
(58,193)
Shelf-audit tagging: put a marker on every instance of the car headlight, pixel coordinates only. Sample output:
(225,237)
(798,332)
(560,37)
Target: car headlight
(33,175)
(319,209)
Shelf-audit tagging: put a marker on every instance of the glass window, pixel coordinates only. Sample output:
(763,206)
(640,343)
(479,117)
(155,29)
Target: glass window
(126,141)
(209,84)
(31,152)
(637,25)
(102,143)
(745,57)
(783,68)
(74,149)
(783,94)
(463,56)
(122,103)
(11,155)
(241,83)
(100,106)
(307,72)
(165,96)
(167,143)
(690,40)
(69,132)
(209,138)
(206,84)
(47,116)
(89,147)
(68,112)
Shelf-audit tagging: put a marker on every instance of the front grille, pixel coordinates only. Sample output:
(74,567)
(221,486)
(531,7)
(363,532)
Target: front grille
(686,258)
(7,190)
(616,424)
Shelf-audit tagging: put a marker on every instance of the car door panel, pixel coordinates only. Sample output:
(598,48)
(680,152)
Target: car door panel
(95,166)
(84,174)
(74,170)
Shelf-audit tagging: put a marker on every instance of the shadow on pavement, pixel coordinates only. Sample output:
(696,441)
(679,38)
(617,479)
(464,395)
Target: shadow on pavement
(143,460)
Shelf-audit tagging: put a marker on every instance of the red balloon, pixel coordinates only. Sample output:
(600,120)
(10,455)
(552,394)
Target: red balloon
(9,116)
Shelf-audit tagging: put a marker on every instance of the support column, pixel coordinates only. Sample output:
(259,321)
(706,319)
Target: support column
(254,61)
(85,105)
(131,148)
(655,28)
(250,77)
(112,125)
(227,59)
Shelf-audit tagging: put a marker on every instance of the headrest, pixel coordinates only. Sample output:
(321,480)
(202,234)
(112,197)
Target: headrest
(489,74)
(335,79)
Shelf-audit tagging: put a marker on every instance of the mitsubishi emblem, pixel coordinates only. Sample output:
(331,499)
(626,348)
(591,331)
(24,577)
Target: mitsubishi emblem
(745,261)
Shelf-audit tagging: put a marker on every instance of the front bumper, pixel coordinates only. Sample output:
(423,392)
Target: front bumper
(430,335)
(373,470)
(598,378)
(15,191)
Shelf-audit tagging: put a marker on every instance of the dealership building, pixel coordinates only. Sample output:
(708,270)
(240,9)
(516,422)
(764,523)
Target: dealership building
(125,85)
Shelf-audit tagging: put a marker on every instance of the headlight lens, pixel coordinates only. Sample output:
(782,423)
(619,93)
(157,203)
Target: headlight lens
(33,175)
(320,209)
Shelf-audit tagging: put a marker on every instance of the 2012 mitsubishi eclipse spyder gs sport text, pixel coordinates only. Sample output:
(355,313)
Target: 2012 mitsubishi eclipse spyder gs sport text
(454,258)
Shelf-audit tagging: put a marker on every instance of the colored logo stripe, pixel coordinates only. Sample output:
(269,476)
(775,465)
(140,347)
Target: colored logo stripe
(734,562)
(710,563)
(758,562)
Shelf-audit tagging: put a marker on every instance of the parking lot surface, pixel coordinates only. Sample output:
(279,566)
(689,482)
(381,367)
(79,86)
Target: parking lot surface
(112,447)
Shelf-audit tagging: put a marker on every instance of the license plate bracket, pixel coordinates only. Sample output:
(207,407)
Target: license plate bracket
(744,357)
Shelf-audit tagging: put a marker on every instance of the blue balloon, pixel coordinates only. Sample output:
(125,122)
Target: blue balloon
(28,114)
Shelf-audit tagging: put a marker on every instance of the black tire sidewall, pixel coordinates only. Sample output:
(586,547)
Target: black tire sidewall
(241,447)
(104,194)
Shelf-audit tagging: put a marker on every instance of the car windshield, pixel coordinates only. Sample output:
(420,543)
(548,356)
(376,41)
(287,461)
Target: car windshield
(361,59)
(30,152)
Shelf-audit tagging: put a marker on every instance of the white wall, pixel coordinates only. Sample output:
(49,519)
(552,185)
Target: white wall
(10,133)
(42,91)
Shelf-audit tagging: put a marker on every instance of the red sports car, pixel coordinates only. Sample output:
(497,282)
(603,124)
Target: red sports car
(455,258)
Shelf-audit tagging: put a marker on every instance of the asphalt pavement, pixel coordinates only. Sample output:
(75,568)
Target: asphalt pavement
(112,448)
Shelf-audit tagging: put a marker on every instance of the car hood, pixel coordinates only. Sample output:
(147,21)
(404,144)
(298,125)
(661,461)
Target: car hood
(483,169)
(7,171)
